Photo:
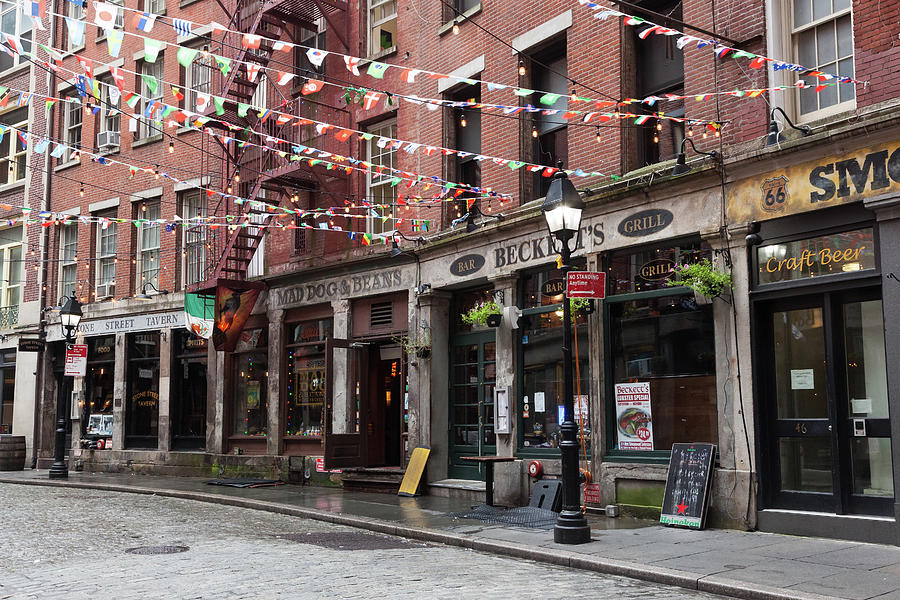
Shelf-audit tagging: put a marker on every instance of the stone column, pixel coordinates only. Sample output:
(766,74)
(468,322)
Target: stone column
(164,429)
(507,360)
(275,439)
(428,385)
(887,212)
(341,414)
(120,388)
(215,400)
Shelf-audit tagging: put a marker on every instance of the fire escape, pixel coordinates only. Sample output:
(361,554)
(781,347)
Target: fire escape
(267,180)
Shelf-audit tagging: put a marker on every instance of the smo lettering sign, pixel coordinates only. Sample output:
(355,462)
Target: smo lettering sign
(333,289)
(466,265)
(151,322)
(646,222)
(816,184)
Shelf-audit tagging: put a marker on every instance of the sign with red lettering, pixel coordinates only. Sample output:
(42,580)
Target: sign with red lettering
(585,284)
(76,360)
(592,493)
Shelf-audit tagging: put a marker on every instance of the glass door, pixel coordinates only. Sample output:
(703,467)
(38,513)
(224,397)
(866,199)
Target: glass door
(472,377)
(829,446)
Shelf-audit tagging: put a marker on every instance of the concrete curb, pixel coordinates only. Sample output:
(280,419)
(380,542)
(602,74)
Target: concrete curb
(707,583)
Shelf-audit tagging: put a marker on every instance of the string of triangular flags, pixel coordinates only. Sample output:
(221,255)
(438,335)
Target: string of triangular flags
(757,61)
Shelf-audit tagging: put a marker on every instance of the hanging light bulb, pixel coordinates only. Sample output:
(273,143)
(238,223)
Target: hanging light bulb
(462,120)
(171,147)
(690,131)
(659,125)
(522,68)
(573,96)
(456,29)
(534,131)
(598,134)
(81,191)
(705,135)
(718,132)
(156,172)
(237,177)
(655,139)
(228,190)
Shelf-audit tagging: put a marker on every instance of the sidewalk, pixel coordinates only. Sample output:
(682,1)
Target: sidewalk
(735,563)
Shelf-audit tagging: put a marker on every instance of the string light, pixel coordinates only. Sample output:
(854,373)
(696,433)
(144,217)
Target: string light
(598,134)
(522,68)
(659,126)
(456,29)
(462,120)
(237,177)
(156,172)
(81,191)
(171,147)
(534,131)
(690,131)
(574,96)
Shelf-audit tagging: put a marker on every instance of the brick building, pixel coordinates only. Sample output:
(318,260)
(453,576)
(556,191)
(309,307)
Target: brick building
(356,350)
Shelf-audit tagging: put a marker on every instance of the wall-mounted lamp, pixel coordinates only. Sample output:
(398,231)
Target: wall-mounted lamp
(681,162)
(775,137)
(148,291)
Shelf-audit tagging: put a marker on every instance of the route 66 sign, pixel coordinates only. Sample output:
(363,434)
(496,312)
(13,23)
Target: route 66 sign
(774,194)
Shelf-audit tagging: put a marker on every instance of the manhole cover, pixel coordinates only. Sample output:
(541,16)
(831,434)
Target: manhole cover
(349,541)
(157,550)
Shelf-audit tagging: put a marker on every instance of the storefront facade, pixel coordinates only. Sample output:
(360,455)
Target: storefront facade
(822,269)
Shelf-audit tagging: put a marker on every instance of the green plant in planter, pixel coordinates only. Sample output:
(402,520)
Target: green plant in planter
(702,277)
(482,312)
(420,346)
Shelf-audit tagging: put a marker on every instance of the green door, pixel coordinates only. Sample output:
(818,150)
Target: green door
(472,375)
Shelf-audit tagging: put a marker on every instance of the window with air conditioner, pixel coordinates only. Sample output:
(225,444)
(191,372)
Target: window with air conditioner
(108,120)
(106,256)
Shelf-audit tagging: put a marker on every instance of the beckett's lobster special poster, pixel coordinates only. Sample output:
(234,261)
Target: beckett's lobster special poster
(634,424)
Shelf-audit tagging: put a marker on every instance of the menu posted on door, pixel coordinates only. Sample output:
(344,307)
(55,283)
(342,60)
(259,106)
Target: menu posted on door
(634,423)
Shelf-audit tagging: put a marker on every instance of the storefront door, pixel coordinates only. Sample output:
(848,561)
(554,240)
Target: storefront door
(824,378)
(472,377)
(345,418)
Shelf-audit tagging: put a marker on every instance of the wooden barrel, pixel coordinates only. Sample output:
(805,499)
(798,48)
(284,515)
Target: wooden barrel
(12,452)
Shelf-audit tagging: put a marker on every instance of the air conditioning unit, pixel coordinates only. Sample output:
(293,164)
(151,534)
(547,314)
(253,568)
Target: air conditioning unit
(106,290)
(107,140)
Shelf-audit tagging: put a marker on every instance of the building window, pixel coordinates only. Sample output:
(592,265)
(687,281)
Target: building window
(73,116)
(549,133)
(99,384)
(197,81)
(75,12)
(106,256)
(7,391)
(661,357)
(157,7)
(109,125)
(194,211)
(382,25)
(540,340)
(822,35)
(68,250)
(311,38)
(251,380)
(12,148)
(13,22)
(305,387)
(380,152)
(464,133)
(150,126)
(148,246)
(142,407)
(13,276)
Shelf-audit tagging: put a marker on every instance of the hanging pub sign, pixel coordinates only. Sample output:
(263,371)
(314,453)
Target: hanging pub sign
(553,287)
(466,265)
(234,301)
(845,252)
(30,345)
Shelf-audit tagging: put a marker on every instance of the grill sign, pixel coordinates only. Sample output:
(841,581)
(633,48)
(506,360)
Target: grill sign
(657,270)
(645,222)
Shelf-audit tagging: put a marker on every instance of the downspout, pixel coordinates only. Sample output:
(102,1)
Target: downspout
(45,244)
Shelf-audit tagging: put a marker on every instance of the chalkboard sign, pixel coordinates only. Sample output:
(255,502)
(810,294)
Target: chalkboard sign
(687,486)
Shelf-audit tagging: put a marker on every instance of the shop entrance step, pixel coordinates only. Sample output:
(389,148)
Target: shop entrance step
(372,479)
(470,490)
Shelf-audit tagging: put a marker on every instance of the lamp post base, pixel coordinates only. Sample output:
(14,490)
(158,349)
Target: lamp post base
(571,528)
(59,471)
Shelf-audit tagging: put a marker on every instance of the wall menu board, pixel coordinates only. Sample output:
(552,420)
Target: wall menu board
(687,485)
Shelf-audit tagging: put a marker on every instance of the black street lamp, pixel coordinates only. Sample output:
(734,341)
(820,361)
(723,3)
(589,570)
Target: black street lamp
(69,318)
(562,209)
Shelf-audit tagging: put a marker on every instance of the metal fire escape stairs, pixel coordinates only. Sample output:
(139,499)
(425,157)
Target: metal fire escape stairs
(260,173)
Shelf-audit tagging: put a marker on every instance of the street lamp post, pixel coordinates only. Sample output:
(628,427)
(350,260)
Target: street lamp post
(69,317)
(562,209)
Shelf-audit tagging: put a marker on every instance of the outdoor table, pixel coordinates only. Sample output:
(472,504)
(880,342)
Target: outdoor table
(488,462)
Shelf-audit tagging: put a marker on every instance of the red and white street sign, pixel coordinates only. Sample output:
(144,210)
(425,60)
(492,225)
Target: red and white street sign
(585,284)
(76,360)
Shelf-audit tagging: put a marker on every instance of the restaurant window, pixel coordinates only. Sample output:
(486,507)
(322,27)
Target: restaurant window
(96,414)
(305,387)
(540,348)
(251,375)
(834,254)
(188,398)
(822,34)
(661,355)
(142,409)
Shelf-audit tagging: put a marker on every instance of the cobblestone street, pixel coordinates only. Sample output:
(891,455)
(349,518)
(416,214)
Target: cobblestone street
(71,543)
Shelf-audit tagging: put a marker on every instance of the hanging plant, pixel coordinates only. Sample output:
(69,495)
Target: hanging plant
(418,346)
(484,313)
(578,306)
(703,278)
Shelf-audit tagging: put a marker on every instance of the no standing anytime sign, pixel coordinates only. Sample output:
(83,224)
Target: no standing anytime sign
(585,284)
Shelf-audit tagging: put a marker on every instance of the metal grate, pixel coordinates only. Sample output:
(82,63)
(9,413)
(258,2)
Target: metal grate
(382,315)
(9,317)
(157,550)
(522,516)
(349,541)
